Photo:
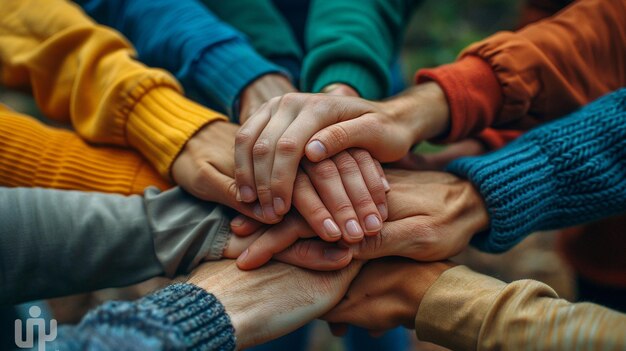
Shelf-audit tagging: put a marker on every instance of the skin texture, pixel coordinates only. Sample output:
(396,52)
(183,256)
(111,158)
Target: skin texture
(390,289)
(432,216)
(272,142)
(274,300)
(260,91)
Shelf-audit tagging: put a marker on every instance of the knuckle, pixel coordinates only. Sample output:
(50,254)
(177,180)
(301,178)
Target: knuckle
(363,201)
(241,174)
(288,99)
(346,164)
(243,137)
(343,207)
(337,135)
(325,170)
(261,148)
(361,156)
(302,249)
(263,191)
(287,146)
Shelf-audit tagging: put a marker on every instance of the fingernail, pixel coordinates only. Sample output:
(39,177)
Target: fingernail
(353,229)
(258,211)
(237,221)
(243,255)
(382,209)
(268,212)
(246,193)
(331,228)
(372,223)
(279,205)
(316,149)
(335,253)
(238,197)
(385,184)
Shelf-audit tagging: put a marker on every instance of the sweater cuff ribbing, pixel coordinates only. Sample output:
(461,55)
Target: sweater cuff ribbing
(196,313)
(358,77)
(222,76)
(473,94)
(33,154)
(519,189)
(162,121)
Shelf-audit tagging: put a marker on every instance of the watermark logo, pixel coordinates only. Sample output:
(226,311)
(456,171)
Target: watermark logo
(42,335)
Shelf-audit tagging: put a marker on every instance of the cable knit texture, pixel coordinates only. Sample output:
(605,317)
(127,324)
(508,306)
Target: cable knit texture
(567,172)
(179,317)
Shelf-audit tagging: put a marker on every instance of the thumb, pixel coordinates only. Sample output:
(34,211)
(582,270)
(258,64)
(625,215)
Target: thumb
(358,132)
(387,243)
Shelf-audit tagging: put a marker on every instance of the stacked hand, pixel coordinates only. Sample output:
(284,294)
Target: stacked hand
(432,216)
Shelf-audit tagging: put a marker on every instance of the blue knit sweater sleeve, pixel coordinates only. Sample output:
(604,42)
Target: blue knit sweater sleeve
(179,317)
(212,60)
(564,173)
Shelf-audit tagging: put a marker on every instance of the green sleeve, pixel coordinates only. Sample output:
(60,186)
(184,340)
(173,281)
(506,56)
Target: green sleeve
(265,27)
(354,42)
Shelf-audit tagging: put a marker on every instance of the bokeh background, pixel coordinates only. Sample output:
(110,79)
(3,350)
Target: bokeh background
(439,30)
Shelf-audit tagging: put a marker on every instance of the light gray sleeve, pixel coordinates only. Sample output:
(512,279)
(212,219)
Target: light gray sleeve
(55,242)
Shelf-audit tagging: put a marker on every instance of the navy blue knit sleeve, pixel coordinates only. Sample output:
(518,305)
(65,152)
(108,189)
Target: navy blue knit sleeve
(564,173)
(212,60)
(179,317)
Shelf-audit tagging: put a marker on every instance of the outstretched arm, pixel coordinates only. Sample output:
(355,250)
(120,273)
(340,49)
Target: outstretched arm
(55,243)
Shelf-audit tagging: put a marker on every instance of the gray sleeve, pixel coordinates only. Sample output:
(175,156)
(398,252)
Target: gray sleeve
(55,242)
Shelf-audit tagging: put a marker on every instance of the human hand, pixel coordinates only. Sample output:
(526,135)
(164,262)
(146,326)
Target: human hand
(432,216)
(205,168)
(270,145)
(274,300)
(260,91)
(340,89)
(387,293)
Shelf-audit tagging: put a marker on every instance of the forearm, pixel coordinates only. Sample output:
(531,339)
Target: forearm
(353,43)
(564,173)
(466,310)
(179,317)
(513,79)
(115,240)
(212,60)
(35,155)
(85,73)
(58,243)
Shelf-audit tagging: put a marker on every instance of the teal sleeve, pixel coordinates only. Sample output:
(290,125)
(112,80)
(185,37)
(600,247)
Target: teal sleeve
(354,42)
(564,173)
(266,29)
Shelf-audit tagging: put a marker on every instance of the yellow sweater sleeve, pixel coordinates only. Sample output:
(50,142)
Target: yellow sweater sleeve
(465,310)
(35,155)
(83,73)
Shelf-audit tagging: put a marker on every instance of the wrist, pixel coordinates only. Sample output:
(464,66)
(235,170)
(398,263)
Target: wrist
(422,110)
(414,290)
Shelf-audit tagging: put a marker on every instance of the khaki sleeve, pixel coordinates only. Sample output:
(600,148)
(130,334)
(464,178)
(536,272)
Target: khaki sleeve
(83,73)
(465,310)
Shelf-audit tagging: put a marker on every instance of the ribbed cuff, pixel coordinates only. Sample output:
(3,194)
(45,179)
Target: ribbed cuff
(223,75)
(197,314)
(473,93)
(32,154)
(162,121)
(454,308)
(356,76)
(519,188)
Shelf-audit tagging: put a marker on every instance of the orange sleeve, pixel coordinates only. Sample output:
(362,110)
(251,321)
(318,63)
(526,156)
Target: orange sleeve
(35,155)
(544,71)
